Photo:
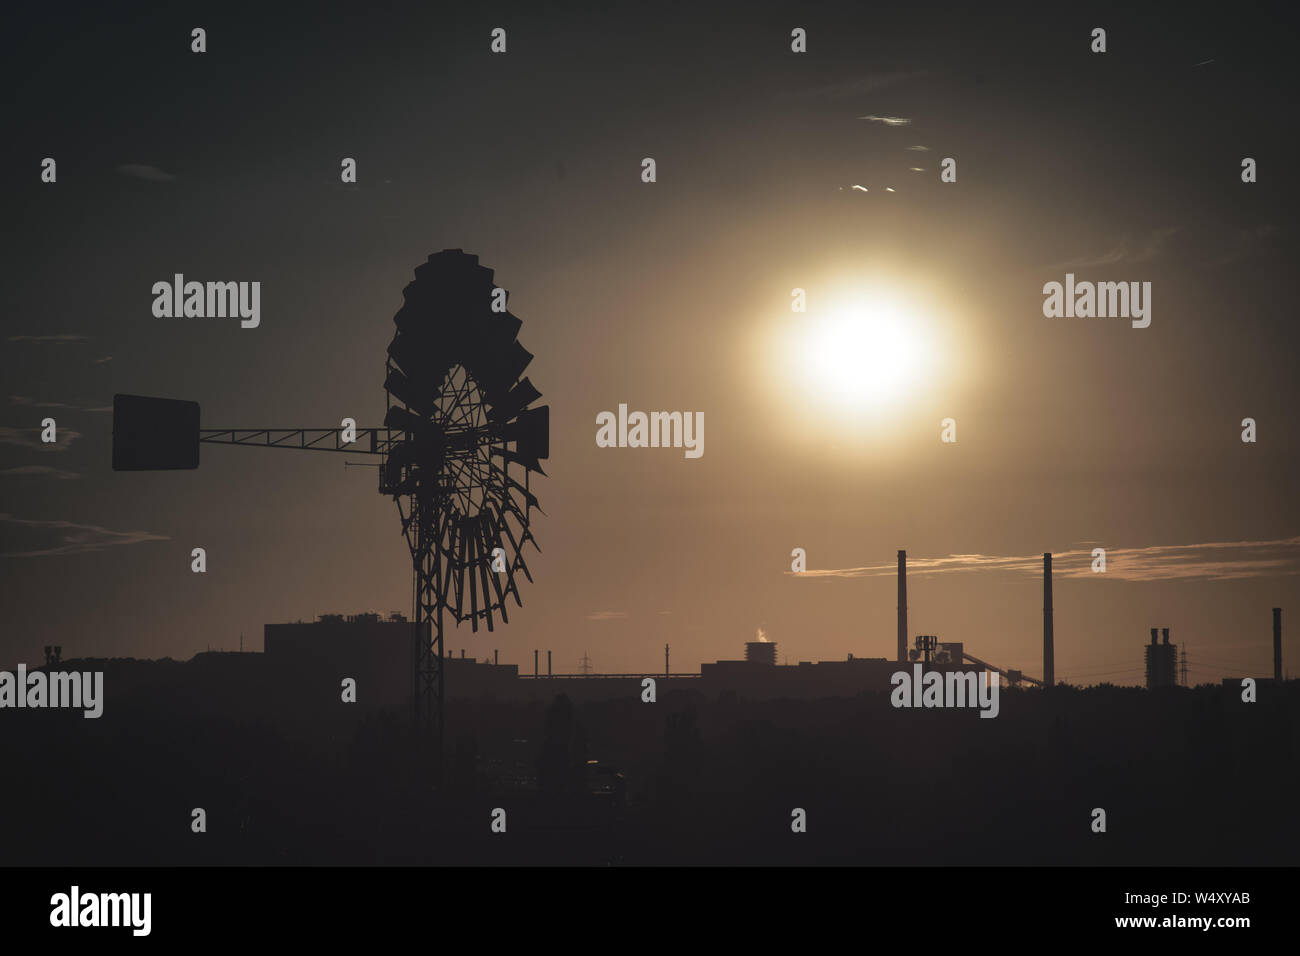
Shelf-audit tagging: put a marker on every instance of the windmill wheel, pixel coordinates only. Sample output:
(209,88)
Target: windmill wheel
(459,420)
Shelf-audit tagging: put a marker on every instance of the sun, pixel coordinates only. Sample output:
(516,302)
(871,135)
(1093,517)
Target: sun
(864,354)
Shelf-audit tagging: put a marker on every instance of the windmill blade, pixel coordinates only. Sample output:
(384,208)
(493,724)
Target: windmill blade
(420,359)
(522,565)
(517,561)
(449,581)
(523,394)
(455,581)
(528,495)
(504,526)
(531,434)
(419,397)
(533,440)
(484,559)
(498,371)
(404,420)
(494,539)
(471,546)
(514,458)
(447,270)
(525,534)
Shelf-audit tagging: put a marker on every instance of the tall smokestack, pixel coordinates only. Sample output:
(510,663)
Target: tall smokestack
(1277,644)
(666,671)
(1155,636)
(534,662)
(902,606)
(1164,634)
(548,663)
(1049,658)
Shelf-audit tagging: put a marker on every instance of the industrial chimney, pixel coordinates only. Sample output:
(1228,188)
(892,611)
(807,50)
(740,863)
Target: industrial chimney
(1164,632)
(1155,636)
(1277,644)
(902,607)
(1049,657)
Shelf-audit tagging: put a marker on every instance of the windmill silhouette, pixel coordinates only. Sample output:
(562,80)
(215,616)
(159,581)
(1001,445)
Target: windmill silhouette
(458,419)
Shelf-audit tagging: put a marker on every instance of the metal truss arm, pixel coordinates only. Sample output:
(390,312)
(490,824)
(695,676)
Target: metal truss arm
(369,441)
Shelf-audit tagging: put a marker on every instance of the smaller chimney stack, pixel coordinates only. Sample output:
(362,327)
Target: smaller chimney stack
(902,606)
(1277,644)
(1155,636)
(1049,636)
(534,662)
(548,663)
(1165,634)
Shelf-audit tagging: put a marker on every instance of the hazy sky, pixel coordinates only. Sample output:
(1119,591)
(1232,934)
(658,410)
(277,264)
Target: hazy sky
(1072,433)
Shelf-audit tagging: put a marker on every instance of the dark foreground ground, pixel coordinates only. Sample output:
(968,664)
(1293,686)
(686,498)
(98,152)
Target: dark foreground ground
(1185,777)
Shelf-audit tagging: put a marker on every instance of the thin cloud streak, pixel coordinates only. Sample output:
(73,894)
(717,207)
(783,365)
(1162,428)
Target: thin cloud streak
(150,174)
(1123,251)
(33,403)
(63,339)
(1212,561)
(28,402)
(74,538)
(31,438)
(50,470)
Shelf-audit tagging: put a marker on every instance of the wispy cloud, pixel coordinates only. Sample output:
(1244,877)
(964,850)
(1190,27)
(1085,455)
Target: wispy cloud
(150,174)
(606,615)
(1126,250)
(60,473)
(49,538)
(50,339)
(28,402)
(919,149)
(1214,561)
(888,120)
(31,438)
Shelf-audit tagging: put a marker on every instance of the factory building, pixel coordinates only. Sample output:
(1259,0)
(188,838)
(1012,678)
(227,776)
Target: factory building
(374,651)
(1161,661)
